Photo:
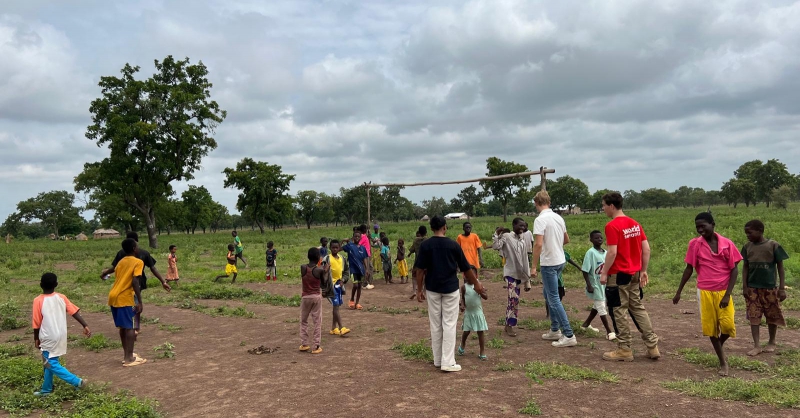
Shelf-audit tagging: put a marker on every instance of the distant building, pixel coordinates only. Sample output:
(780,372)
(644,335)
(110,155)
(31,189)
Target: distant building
(456,215)
(105,233)
(425,218)
(81,237)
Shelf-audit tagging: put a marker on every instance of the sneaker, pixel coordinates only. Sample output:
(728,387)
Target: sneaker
(304,348)
(317,350)
(552,335)
(611,336)
(82,384)
(565,341)
(453,368)
(344,331)
(653,353)
(590,328)
(336,331)
(369,287)
(41,394)
(620,354)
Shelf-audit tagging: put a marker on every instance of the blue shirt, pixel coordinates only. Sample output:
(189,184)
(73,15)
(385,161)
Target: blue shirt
(356,254)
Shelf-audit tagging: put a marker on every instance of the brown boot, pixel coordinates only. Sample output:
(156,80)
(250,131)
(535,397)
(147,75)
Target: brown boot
(620,354)
(653,353)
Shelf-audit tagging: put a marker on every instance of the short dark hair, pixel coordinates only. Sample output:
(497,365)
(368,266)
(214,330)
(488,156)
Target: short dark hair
(422,230)
(132,235)
(231,247)
(313,254)
(270,244)
(129,245)
(595,232)
(322,239)
(234,233)
(334,241)
(466,223)
(362,228)
(516,221)
(755,225)
(49,281)
(385,240)
(401,241)
(613,199)
(438,222)
(171,247)
(704,216)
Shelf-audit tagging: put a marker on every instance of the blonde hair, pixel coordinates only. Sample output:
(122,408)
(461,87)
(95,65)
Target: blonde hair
(542,198)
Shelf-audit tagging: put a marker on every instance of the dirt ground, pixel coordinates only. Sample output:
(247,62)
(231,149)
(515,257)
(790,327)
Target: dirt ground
(212,375)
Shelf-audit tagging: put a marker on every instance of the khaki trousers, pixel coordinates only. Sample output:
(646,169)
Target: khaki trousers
(630,301)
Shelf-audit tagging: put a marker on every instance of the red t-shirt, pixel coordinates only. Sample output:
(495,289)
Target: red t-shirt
(627,235)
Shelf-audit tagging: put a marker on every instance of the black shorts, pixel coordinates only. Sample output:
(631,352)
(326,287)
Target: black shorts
(357,278)
(239,255)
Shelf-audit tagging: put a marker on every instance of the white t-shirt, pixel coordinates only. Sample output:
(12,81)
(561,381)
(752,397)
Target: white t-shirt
(552,227)
(50,318)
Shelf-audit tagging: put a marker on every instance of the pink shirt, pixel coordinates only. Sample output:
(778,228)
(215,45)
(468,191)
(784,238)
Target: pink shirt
(365,243)
(713,269)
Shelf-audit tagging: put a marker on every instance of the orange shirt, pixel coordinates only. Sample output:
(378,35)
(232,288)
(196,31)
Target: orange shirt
(470,247)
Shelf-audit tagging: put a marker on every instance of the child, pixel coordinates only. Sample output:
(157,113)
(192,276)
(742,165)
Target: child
(365,242)
(592,267)
(121,300)
(420,237)
(272,255)
(402,264)
(323,248)
(359,261)
(50,310)
(516,270)
(230,268)
(172,265)
(339,269)
(239,247)
(474,320)
(375,240)
(311,302)
(386,260)
(715,258)
(762,259)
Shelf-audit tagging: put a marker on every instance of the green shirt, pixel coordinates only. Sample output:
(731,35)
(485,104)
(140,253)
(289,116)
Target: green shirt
(762,262)
(593,263)
(238,243)
(561,273)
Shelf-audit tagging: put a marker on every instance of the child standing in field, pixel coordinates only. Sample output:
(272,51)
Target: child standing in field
(230,268)
(50,310)
(402,264)
(593,263)
(715,258)
(420,237)
(359,261)
(311,301)
(239,247)
(272,255)
(386,260)
(128,272)
(172,265)
(338,270)
(323,248)
(474,320)
(763,261)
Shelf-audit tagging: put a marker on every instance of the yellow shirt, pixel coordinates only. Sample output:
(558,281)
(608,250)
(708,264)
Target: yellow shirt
(121,293)
(337,267)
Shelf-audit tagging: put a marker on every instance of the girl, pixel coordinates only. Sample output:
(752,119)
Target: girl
(311,301)
(402,265)
(172,265)
(386,260)
(474,320)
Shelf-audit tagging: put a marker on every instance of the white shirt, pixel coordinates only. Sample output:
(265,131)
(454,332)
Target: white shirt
(50,317)
(551,226)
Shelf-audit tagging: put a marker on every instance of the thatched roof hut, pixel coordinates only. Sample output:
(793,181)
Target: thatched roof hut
(105,233)
(81,237)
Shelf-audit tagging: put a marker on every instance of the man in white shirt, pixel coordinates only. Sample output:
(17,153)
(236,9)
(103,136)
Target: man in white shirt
(550,235)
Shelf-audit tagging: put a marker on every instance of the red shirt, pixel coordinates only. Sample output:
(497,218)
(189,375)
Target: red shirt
(627,235)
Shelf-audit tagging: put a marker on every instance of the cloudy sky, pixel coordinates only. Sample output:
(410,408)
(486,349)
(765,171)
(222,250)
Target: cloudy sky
(621,94)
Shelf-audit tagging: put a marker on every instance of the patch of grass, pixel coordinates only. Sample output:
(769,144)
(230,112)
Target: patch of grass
(14,338)
(208,290)
(504,366)
(166,350)
(149,321)
(696,356)
(787,364)
(537,370)
(420,350)
(501,321)
(388,310)
(121,404)
(10,317)
(13,350)
(97,342)
(532,303)
(291,320)
(240,312)
(170,327)
(497,343)
(781,393)
(531,408)
(266,298)
(792,323)
(380,330)
(534,324)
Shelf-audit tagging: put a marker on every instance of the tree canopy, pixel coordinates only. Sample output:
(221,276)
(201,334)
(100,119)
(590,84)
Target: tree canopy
(263,191)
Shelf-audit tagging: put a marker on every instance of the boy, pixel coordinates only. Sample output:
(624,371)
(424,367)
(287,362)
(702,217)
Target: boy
(272,255)
(311,301)
(762,259)
(471,245)
(339,269)
(323,248)
(592,266)
(124,307)
(50,310)
(230,268)
(239,247)
(365,242)
(400,259)
(516,270)
(359,260)
(375,240)
(716,260)
(386,260)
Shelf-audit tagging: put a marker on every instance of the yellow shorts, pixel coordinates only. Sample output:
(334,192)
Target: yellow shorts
(715,320)
(402,268)
(230,269)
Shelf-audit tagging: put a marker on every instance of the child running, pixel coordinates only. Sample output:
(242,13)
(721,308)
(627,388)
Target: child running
(230,268)
(272,255)
(128,272)
(592,267)
(239,247)
(172,265)
(400,259)
(311,301)
(50,310)
(715,258)
(763,258)
(386,260)
(338,269)
(474,320)
(359,259)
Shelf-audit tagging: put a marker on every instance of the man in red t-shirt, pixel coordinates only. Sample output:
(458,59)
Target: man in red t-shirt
(625,271)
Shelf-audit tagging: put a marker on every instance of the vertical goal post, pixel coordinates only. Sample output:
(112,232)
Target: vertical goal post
(542,172)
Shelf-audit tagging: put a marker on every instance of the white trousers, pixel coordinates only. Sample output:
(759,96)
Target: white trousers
(443,316)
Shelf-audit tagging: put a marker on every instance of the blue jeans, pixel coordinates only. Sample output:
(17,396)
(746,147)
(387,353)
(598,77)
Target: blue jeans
(53,367)
(558,316)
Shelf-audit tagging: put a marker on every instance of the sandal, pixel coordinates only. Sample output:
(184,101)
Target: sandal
(135,356)
(137,362)
(460,351)
(482,357)
(351,305)
(359,307)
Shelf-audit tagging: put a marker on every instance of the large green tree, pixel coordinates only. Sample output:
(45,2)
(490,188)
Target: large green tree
(263,191)
(504,190)
(771,176)
(56,209)
(157,131)
(307,204)
(199,204)
(568,192)
(657,198)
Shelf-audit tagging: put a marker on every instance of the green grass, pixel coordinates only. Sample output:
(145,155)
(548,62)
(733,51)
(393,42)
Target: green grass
(164,351)
(388,310)
(97,342)
(420,350)
(170,328)
(792,323)
(538,370)
(504,366)
(13,350)
(778,392)
(531,408)
(787,364)
(696,356)
(14,338)
(209,290)
(11,317)
(380,330)
(497,343)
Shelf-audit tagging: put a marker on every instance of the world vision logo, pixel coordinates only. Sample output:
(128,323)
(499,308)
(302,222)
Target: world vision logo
(632,232)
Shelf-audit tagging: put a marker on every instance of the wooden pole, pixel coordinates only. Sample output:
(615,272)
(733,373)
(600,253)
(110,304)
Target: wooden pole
(369,209)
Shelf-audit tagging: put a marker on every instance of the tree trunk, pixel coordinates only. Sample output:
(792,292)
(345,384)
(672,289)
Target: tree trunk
(150,223)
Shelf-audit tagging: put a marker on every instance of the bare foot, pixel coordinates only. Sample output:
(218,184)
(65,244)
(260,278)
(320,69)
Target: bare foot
(770,348)
(723,370)
(754,352)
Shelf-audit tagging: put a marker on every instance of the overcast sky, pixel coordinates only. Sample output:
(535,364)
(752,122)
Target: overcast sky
(621,94)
